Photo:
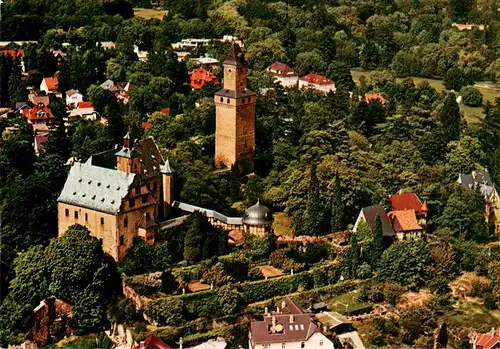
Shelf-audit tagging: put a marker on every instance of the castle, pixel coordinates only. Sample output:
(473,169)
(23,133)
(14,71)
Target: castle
(126,192)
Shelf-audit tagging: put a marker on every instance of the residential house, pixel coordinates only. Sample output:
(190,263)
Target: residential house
(191,44)
(200,77)
(409,201)
(41,137)
(317,82)
(141,55)
(152,342)
(283,74)
(35,99)
(469,26)
(49,85)
(15,54)
(486,340)
(288,327)
(107,45)
(60,57)
(218,343)
(73,97)
(481,180)
(84,110)
(121,90)
(118,194)
(210,64)
(40,116)
(369,215)
(406,218)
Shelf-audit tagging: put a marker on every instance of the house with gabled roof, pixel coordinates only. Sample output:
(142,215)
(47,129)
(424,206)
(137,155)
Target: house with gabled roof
(369,215)
(283,74)
(287,327)
(73,97)
(317,82)
(200,77)
(489,340)
(49,85)
(38,115)
(118,194)
(481,180)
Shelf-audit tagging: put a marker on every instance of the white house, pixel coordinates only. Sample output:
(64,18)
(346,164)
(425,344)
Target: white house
(49,85)
(317,82)
(283,74)
(287,328)
(73,97)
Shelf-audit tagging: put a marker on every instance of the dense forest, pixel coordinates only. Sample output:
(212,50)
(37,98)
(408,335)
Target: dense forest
(319,158)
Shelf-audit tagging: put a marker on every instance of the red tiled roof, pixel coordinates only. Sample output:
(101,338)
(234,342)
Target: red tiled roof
(316,79)
(12,53)
(199,77)
(152,342)
(147,125)
(409,201)
(84,104)
(51,83)
(370,97)
(165,111)
(36,113)
(281,69)
(404,220)
(487,341)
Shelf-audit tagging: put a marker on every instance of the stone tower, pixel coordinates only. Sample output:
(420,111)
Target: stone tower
(235,115)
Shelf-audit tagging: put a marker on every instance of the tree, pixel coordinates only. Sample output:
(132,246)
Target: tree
(338,207)
(377,243)
(405,263)
(471,96)
(165,311)
(17,89)
(230,300)
(315,213)
(202,240)
(464,215)
(456,78)
(460,9)
(450,118)
(351,260)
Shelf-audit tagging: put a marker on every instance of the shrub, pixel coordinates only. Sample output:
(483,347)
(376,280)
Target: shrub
(490,301)
(217,275)
(165,311)
(364,271)
(471,96)
(278,258)
(455,78)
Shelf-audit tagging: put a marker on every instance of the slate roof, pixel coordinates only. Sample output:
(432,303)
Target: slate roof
(371,212)
(235,94)
(300,330)
(404,220)
(151,159)
(106,159)
(477,179)
(235,56)
(96,188)
(209,213)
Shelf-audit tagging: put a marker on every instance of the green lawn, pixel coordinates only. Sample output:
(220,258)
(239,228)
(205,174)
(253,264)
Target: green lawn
(281,224)
(346,302)
(489,91)
(468,314)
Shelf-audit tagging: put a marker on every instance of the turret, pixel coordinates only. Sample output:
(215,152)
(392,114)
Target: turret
(128,159)
(167,175)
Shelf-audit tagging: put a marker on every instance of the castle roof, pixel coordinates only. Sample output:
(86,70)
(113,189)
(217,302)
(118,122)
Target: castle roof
(407,201)
(370,214)
(257,214)
(97,188)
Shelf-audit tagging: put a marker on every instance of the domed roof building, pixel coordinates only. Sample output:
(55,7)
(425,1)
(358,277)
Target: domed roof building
(257,219)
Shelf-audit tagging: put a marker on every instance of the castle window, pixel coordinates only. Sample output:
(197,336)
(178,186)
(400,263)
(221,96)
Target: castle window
(246,144)
(122,240)
(86,217)
(66,212)
(228,100)
(241,83)
(321,343)
(125,222)
(131,203)
(154,187)
(222,99)
(249,99)
(102,220)
(147,215)
(76,214)
(302,344)
(135,166)
(138,190)
(144,199)
(229,70)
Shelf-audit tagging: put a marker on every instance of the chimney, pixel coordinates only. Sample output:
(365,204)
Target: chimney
(493,332)
(283,304)
(266,311)
(273,320)
(181,342)
(292,319)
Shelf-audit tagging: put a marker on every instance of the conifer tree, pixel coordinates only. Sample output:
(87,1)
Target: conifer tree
(338,207)
(352,259)
(17,91)
(315,215)
(450,118)
(377,245)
